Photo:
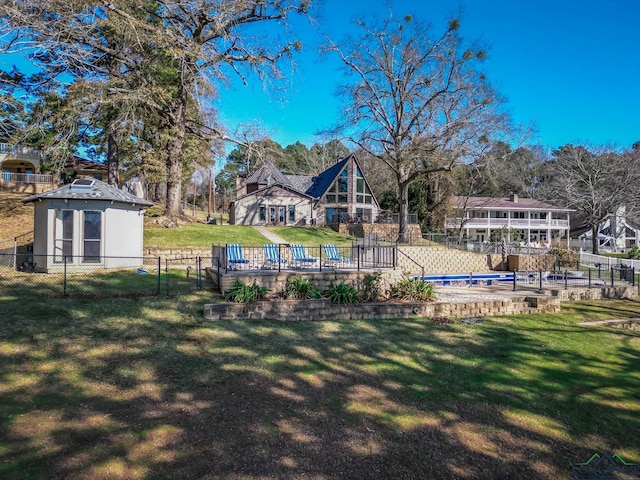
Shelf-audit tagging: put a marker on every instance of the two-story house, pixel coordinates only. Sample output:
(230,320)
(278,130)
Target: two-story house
(528,220)
(19,165)
(340,194)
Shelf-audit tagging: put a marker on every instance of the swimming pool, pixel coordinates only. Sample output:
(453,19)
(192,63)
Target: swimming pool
(465,279)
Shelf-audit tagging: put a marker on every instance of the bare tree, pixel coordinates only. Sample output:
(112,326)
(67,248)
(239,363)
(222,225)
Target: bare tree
(596,182)
(206,40)
(416,101)
(172,53)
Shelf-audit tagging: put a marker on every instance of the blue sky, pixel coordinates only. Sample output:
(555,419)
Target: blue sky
(571,68)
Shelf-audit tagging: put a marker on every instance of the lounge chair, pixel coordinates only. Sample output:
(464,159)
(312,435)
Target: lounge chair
(235,257)
(332,256)
(299,255)
(272,255)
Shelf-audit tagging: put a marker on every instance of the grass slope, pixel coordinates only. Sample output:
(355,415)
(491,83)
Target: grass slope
(202,235)
(15,217)
(312,236)
(147,389)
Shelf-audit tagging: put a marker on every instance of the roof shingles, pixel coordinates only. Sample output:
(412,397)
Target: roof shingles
(97,191)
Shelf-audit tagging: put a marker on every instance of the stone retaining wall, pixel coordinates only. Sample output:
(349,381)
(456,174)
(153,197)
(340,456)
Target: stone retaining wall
(276,281)
(323,309)
(176,253)
(625,323)
(531,262)
(621,292)
(444,260)
(386,232)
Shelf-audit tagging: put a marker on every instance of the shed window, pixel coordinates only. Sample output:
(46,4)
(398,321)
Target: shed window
(263,213)
(92,236)
(292,213)
(63,231)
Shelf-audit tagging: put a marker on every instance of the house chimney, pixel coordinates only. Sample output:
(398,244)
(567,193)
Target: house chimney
(513,197)
(241,184)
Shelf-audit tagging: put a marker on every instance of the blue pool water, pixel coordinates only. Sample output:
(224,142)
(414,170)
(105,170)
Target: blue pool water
(464,279)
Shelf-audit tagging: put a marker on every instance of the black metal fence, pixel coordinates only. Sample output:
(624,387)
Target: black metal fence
(565,279)
(296,257)
(99,277)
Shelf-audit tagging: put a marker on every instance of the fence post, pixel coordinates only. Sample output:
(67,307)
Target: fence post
(279,258)
(358,249)
(589,279)
(566,281)
(515,275)
(540,278)
(395,258)
(219,275)
(611,270)
(320,257)
(166,276)
(197,272)
(15,253)
(633,276)
(64,281)
(159,277)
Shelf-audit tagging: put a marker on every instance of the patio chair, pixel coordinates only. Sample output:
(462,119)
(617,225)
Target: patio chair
(299,255)
(235,257)
(272,255)
(332,256)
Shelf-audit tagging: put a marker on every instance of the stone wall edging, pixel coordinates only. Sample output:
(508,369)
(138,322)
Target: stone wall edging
(323,309)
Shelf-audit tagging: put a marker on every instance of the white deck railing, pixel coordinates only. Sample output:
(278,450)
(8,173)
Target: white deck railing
(504,222)
(26,178)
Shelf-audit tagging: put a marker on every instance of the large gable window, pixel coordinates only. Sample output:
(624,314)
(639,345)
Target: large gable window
(363,193)
(337,193)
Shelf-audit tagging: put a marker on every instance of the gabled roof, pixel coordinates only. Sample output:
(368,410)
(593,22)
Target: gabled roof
(274,185)
(322,182)
(300,182)
(91,189)
(495,203)
(261,176)
(78,163)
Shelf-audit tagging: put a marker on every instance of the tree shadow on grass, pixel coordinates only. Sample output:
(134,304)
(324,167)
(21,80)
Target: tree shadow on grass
(154,394)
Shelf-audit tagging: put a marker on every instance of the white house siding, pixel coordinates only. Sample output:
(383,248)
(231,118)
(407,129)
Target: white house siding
(246,210)
(121,235)
(40,233)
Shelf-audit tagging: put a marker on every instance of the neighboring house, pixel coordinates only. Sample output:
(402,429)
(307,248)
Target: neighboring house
(615,233)
(20,165)
(87,221)
(530,220)
(340,194)
(77,167)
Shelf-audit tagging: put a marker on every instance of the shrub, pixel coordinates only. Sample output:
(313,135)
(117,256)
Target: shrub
(371,283)
(634,252)
(564,256)
(413,290)
(342,293)
(243,293)
(300,288)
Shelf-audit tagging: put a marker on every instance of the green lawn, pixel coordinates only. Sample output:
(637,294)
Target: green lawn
(312,236)
(145,388)
(201,235)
